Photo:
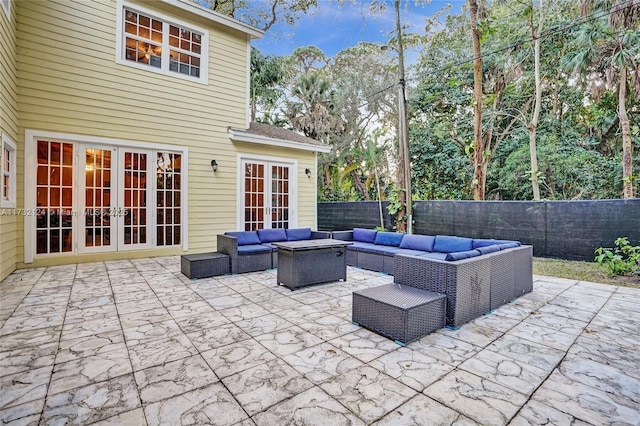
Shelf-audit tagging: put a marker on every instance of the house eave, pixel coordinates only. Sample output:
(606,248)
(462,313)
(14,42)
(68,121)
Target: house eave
(214,16)
(242,136)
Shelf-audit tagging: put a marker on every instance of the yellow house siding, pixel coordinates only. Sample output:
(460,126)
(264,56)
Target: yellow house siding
(8,126)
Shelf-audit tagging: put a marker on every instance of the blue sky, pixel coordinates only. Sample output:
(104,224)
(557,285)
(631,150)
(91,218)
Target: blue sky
(333,28)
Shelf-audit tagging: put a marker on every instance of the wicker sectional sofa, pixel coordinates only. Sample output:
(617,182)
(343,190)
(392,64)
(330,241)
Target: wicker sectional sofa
(251,251)
(475,275)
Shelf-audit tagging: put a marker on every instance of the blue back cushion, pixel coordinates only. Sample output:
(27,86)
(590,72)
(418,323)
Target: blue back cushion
(449,244)
(364,235)
(484,242)
(417,242)
(245,238)
(488,249)
(459,255)
(271,235)
(508,244)
(388,238)
(298,234)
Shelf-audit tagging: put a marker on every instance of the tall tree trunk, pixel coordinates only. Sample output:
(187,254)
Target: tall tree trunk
(478,155)
(533,124)
(627,147)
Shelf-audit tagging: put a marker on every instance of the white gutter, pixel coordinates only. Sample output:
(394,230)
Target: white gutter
(243,136)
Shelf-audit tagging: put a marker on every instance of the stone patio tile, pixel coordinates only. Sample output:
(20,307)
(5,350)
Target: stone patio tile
(138,318)
(311,407)
(90,345)
(24,414)
(222,335)
(25,359)
(88,328)
(130,418)
(367,392)
(473,334)
(260,387)
(340,307)
(151,331)
(161,351)
(411,367)
(89,370)
(288,341)
(21,339)
(619,319)
(419,408)
(624,358)
(576,300)
(98,313)
(516,312)
(444,348)
(26,386)
(264,324)
(566,325)
(91,299)
(546,336)
(189,309)
(279,304)
(92,403)
(571,313)
(209,405)
(226,302)
(537,413)
(482,400)
(309,297)
(586,403)
(606,333)
(33,318)
(199,322)
(173,378)
(496,321)
(364,345)
(322,362)
(243,312)
(325,326)
(625,305)
(529,352)
(231,359)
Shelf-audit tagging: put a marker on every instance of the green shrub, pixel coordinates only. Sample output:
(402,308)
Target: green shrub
(621,260)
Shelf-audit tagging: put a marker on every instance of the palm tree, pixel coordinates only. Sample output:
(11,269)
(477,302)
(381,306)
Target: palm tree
(607,48)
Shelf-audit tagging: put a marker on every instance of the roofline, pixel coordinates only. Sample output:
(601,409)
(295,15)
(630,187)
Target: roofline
(217,17)
(243,136)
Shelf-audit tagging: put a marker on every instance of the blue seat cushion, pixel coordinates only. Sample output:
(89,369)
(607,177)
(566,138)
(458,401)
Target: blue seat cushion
(508,244)
(435,255)
(481,242)
(298,234)
(253,249)
(271,246)
(459,255)
(449,244)
(388,238)
(379,249)
(391,251)
(364,235)
(357,245)
(369,247)
(417,242)
(271,235)
(488,249)
(245,237)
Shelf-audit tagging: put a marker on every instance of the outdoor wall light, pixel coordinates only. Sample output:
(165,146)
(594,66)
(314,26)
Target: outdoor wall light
(308,173)
(214,165)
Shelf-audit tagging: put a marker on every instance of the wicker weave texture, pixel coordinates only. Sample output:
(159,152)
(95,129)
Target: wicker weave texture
(502,278)
(204,265)
(420,272)
(402,313)
(306,267)
(352,257)
(468,290)
(371,261)
(254,262)
(523,270)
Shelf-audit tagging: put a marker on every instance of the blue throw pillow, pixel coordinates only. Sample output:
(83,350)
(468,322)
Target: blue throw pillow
(485,242)
(488,249)
(271,235)
(298,234)
(508,244)
(418,242)
(245,238)
(388,238)
(449,244)
(459,255)
(364,235)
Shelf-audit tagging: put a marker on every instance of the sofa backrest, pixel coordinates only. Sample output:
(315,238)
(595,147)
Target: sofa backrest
(298,234)
(245,238)
(388,238)
(272,235)
(364,235)
(417,242)
(450,244)
(482,242)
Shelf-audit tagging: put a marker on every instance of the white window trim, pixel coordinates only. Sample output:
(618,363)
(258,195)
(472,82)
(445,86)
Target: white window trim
(31,138)
(120,41)
(10,145)
(293,186)
(6,6)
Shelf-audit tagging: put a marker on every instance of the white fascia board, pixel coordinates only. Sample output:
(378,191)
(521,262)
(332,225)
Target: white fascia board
(214,16)
(240,136)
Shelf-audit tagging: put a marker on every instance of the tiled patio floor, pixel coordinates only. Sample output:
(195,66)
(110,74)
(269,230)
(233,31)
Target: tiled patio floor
(136,342)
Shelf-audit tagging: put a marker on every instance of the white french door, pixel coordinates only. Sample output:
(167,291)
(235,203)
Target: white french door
(267,195)
(115,196)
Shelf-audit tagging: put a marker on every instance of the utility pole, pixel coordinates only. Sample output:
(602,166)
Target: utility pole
(403,128)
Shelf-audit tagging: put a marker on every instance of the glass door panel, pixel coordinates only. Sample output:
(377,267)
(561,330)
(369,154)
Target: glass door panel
(97,199)
(134,197)
(254,197)
(266,195)
(279,196)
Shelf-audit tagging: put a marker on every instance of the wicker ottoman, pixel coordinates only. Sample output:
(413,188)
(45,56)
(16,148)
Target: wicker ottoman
(204,265)
(401,312)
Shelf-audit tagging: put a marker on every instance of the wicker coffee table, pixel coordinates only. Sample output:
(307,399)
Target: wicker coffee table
(302,263)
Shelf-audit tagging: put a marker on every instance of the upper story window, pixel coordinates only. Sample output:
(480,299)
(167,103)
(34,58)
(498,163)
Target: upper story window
(154,42)
(8,196)
(6,6)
